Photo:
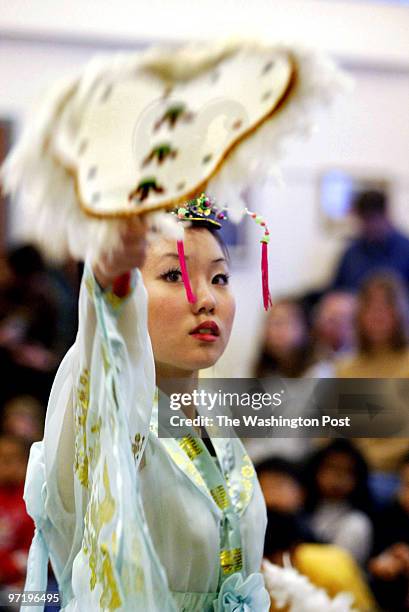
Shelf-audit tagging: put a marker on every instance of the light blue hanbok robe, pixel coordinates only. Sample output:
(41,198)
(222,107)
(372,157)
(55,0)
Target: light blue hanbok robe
(129,519)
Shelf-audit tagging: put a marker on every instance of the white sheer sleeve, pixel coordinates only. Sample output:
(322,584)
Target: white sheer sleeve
(82,484)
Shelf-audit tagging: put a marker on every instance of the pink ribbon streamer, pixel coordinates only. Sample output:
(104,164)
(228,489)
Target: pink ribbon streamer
(191,298)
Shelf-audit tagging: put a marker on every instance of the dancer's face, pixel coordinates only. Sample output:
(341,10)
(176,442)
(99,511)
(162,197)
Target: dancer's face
(178,350)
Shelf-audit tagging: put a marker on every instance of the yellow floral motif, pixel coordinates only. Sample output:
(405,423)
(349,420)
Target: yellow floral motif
(246,485)
(247,471)
(81,413)
(100,513)
(97,427)
(110,598)
(87,445)
(94,449)
(180,459)
(137,444)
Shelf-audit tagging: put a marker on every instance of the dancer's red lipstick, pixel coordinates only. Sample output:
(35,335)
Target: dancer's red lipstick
(208,331)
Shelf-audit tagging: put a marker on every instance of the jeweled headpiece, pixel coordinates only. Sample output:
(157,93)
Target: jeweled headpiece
(202,209)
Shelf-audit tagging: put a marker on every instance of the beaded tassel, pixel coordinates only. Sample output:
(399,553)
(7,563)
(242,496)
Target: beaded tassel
(264,259)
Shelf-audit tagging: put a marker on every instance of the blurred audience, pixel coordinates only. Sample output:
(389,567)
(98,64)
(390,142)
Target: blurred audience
(382,352)
(379,246)
(338,502)
(286,350)
(288,539)
(358,330)
(16,527)
(37,324)
(38,312)
(389,565)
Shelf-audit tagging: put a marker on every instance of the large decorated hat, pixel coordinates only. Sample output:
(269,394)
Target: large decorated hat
(136,133)
(167,138)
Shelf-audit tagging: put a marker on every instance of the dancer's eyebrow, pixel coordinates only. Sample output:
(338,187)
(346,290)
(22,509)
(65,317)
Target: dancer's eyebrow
(176,256)
(219,260)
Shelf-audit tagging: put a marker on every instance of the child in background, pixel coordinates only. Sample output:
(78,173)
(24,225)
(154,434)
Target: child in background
(284,497)
(389,566)
(16,527)
(338,501)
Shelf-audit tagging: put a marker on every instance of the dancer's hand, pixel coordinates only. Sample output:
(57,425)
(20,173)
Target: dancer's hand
(129,253)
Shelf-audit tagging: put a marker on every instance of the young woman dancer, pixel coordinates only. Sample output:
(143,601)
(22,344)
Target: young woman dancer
(131,519)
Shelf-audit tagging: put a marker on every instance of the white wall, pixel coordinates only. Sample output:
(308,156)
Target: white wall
(375,31)
(367,131)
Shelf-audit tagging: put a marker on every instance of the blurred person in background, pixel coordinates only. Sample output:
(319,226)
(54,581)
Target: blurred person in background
(23,416)
(288,537)
(33,325)
(16,527)
(381,331)
(389,565)
(285,352)
(284,496)
(333,325)
(379,245)
(338,502)
(382,352)
(286,348)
